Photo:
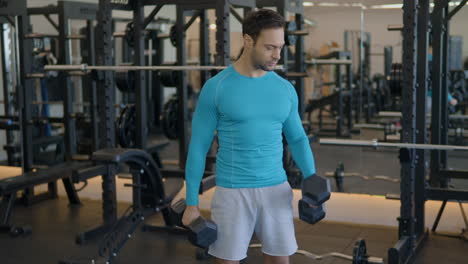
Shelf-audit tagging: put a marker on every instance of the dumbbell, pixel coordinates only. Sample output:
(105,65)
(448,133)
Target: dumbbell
(315,191)
(20,230)
(202,232)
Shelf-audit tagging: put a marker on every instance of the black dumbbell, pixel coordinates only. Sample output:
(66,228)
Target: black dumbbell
(20,231)
(315,191)
(202,233)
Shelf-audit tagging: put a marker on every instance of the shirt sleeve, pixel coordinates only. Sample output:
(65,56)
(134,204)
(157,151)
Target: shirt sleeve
(449,97)
(204,123)
(297,139)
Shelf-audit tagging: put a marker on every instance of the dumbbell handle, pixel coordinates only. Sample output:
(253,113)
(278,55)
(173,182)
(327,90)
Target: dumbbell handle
(314,200)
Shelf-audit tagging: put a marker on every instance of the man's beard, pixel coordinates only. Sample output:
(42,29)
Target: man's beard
(262,66)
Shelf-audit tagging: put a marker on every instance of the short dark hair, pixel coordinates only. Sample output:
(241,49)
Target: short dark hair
(258,20)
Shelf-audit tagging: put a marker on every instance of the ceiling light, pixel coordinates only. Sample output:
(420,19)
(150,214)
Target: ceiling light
(328,4)
(389,6)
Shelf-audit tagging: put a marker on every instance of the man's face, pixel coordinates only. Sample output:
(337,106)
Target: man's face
(266,52)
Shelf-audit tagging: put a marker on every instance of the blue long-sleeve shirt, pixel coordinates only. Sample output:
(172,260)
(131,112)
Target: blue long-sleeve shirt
(249,115)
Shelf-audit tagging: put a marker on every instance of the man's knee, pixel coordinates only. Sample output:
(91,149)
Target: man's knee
(275,259)
(223,261)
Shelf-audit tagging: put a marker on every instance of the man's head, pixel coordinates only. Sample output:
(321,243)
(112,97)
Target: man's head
(263,34)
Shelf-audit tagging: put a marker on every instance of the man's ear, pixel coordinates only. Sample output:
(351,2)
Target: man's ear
(248,41)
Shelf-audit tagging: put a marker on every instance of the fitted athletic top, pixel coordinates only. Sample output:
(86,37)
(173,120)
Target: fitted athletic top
(249,115)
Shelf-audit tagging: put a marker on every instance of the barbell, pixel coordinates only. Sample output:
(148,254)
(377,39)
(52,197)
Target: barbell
(391,114)
(359,256)
(375,144)
(328,62)
(86,67)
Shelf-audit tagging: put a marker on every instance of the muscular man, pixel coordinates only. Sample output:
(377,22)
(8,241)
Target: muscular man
(249,106)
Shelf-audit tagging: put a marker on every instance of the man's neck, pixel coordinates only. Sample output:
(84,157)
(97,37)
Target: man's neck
(244,67)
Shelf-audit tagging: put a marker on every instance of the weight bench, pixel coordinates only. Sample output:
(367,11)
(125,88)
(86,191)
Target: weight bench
(152,193)
(10,186)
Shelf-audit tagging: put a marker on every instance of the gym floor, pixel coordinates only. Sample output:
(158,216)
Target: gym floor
(55,225)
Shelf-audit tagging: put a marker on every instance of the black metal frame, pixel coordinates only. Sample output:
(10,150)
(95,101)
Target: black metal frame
(18,9)
(67,11)
(7,95)
(440,19)
(342,100)
(28,179)
(414,193)
(411,221)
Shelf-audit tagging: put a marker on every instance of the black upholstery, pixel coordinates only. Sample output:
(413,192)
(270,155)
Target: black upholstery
(159,191)
(12,184)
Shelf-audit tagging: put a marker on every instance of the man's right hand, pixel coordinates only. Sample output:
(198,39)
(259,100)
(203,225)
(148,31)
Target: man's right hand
(191,213)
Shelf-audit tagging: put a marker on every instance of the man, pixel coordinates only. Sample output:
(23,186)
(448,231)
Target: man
(452,102)
(250,107)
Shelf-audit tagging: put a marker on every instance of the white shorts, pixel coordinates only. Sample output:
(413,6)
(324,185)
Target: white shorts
(267,211)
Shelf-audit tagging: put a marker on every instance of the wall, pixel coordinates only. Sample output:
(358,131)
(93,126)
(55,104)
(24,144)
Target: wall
(333,21)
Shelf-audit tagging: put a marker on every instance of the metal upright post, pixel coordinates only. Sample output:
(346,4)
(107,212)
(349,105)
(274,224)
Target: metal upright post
(281,9)
(438,32)
(182,87)
(388,58)
(349,89)
(106,99)
(91,84)
(421,130)
(222,33)
(158,89)
(444,181)
(140,82)
(7,103)
(204,46)
(405,247)
(65,58)
(25,90)
(338,83)
(300,63)
(105,83)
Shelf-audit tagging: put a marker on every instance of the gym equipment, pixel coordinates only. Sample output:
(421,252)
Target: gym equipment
(86,67)
(202,233)
(151,194)
(126,127)
(359,254)
(396,79)
(291,33)
(11,185)
(328,62)
(315,191)
(125,81)
(376,144)
(169,118)
(168,78)
(339,175)
(290,39)
(173,36)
